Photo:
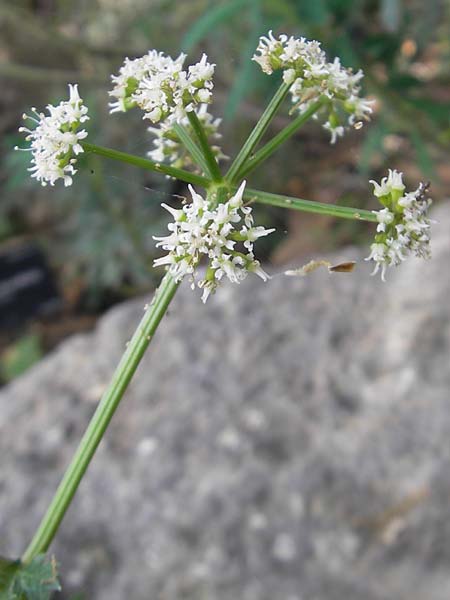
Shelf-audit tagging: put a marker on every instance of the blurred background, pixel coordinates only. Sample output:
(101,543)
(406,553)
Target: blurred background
(90,246)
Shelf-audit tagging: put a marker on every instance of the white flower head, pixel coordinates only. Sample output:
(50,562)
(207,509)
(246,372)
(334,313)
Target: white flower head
(206,229)
(289,53)
(55,141)
(306,68)
(403,226)
(159,85)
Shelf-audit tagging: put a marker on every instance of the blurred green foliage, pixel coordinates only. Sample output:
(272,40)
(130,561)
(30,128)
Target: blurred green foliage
(99,231)
(20,356)
(34,581)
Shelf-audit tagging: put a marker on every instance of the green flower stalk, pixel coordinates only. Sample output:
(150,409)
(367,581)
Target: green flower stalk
(125,370)
(169,147)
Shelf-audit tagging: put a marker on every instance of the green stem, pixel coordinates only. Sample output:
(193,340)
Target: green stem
(192,148)
(213,167)
(345,212)
(145,163)
(269,148)
(100,421)
(258,132)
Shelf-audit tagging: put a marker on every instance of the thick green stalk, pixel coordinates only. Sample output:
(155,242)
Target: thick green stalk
(192,148)
(345,212)
(100,421)
(145,163)
(213,168)
(269,148)
(257,133)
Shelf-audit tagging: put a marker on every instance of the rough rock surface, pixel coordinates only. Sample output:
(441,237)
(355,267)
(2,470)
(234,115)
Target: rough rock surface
(288,441)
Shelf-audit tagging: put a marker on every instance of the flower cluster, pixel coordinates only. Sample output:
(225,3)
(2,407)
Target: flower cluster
(403,226)
(169,147)
(158,85)
(313,78)
(202,228)
(55,141)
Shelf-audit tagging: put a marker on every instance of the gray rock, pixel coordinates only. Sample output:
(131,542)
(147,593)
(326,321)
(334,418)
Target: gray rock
(290,440)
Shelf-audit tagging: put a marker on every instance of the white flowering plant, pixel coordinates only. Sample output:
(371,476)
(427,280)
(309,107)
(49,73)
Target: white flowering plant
(212,235)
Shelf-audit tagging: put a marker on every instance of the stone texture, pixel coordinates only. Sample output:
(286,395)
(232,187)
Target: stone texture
(290,440)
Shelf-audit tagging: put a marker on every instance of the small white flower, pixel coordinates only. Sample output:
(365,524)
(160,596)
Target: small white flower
(255,267)
(201,72)
(377,252)
(205,229)
(208,288)
(403,226)
(269,49)
(289,76)
(388,184)
(336,131)
(204,95)
(407,200)
(55,141)
(384,217)
(360,108)
(395,180)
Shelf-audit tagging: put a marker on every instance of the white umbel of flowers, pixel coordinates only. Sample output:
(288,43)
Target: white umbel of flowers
(55,141)
(403,226)
(160,86)
(214,231)
(168,147)
(312,77)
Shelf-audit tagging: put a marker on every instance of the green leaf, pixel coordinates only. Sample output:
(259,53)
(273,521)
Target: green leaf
(210,20)
(34,581)
(382,47)
(279,12)
(314,12)
(436,111)
(8,569)
(20,356)
(424,159)
(343,48)
(6,228)
(404,81)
